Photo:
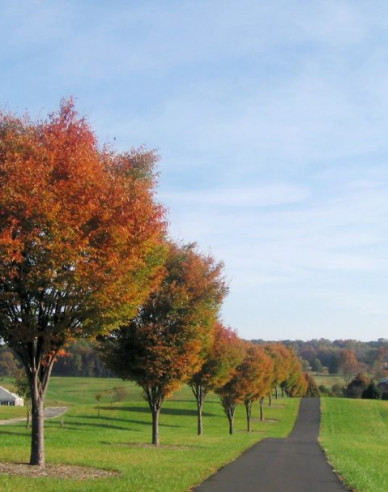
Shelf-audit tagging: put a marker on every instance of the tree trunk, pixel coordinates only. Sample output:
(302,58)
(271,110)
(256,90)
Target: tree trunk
(261,402)
(230,418)
(269,400)
(38,357)
(155,425)
(248,409)
(38,378)
(200,418)
(199,392)
(37,456)
(229,408)
(230,414)
(276,392)
(154,396)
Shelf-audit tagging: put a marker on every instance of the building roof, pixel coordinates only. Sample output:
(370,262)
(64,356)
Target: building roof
(8,395)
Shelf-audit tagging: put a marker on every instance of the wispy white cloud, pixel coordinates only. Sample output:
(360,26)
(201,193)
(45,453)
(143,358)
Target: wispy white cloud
(272,125)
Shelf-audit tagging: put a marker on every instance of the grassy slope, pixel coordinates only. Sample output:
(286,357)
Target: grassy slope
(329,379)
(116,439)
(354,434)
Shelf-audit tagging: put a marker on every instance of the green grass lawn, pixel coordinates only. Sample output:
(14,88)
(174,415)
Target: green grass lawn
(354,434)
(116,440)
(11,412)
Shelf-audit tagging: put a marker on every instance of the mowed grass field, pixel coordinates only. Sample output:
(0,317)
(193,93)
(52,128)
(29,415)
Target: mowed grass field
(354,434)
(328,380)
(118,439)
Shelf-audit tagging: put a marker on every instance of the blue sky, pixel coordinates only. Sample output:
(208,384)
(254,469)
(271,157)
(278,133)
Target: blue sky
(271,120)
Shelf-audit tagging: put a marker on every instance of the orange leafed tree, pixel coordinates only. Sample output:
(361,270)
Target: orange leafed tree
(295,384)
(348,364)
(81,241)
(281,357)
(219,362)
(163,345)
(250,381)
(256,373)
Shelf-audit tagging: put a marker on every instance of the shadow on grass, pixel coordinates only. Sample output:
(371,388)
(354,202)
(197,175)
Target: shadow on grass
(166,411)
(87,429)
(252,431)
(101,419)
(18,434)
(95,421)
(100,425)
(153,446)
(192,401)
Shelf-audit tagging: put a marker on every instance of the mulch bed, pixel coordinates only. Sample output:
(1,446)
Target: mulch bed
(56,471)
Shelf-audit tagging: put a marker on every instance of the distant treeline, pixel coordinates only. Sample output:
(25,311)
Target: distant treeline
(335,356)
(338,356)
(80,359)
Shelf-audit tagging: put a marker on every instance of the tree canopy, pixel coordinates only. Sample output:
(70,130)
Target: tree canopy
(81,240)
(164,344)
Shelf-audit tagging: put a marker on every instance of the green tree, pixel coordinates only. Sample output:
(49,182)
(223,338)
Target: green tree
(316,365)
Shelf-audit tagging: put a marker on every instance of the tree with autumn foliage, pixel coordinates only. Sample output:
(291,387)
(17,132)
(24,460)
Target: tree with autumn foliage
(231,395)
(163,345)
(311,388)
(265,381)
(281,357)
(348,364)
(255,378)
(81,241)
(220,360)
(248,381)
(296,383)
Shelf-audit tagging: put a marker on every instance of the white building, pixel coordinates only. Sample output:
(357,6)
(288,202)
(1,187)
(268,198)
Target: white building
(8,398)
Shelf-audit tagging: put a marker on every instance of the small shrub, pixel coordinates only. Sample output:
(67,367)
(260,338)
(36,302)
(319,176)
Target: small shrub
(337,390)
(357,386)
(324,390)
(372,392)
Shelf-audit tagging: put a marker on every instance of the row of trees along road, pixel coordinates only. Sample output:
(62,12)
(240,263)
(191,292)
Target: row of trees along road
(168,339)
(84,253)
(160,352)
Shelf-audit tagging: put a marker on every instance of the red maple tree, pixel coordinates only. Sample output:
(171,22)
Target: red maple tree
(163,345)
(217,366)
(256,373)
(81,241)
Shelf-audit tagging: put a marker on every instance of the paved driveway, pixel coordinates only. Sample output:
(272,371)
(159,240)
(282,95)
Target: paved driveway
(294,464)
(49,413)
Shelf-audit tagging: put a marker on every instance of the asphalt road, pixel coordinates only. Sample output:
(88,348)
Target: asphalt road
(294,464)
